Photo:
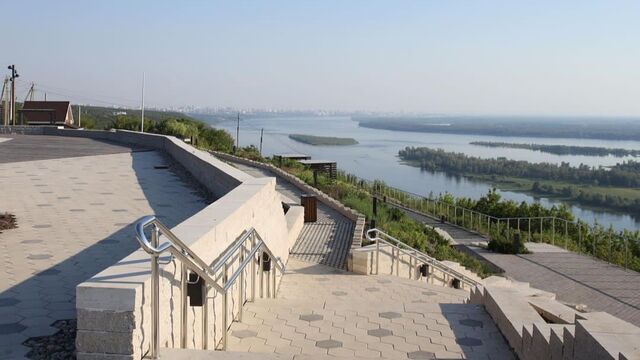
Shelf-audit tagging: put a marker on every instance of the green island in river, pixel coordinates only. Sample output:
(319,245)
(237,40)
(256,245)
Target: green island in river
(614,188)
(322,140)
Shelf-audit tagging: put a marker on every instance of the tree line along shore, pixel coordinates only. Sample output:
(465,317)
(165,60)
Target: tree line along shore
(616,187)
(561,149)
(515,126)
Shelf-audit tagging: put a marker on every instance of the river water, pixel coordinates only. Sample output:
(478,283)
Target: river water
(376,156)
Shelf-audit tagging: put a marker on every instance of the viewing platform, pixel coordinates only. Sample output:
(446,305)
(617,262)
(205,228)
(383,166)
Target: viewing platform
(133,246)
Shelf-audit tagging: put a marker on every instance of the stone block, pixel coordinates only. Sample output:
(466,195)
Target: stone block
(556,341)
(106,320)
(603,336)
(103,342)
(568,340)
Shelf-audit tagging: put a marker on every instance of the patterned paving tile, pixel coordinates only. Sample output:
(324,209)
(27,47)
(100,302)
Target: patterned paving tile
(367,324)
(51,251)
(328,344)
(421,355)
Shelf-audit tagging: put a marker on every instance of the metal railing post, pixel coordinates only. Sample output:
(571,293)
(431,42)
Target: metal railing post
(273,269)
(541,238)
(609,246)
(205,318)
(225,320)
(260,269)
(241,285)
(183,306)
(553,231)
(579,237)
(529,237)
(253,270)
(155,297)
(377,256)
(398,262)
(393,259)
(566,233)
(625,252)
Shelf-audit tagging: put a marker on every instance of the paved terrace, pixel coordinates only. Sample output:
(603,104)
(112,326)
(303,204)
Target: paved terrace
(325,241)
(75,200)
(574,278)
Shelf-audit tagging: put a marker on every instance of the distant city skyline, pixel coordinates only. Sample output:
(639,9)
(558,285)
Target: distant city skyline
(467,58)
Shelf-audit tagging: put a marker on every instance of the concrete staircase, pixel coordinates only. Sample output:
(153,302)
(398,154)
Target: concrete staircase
(325,312)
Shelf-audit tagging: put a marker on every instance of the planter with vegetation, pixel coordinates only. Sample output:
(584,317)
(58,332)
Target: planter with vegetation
(501,243)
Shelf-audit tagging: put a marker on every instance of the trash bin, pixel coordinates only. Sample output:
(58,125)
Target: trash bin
(309,202)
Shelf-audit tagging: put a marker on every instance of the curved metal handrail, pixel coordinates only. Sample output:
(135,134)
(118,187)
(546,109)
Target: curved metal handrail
(174,246)
(417,254)
(192,262)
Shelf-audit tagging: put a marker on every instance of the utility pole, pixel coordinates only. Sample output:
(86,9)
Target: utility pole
(14,75)
(142,122)
(79,116)
(3,101)
(238,133)
(29,96)
(261,133)
(31,91)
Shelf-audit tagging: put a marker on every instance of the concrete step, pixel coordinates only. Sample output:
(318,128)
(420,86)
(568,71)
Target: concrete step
(322,312)
(191,354)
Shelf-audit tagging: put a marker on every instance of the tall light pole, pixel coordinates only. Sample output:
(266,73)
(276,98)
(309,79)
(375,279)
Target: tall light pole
(14,75)
(142,107)
(238,133)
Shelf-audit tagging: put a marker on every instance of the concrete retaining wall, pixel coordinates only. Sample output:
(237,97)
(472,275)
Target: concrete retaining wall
(349,213)
(113,306)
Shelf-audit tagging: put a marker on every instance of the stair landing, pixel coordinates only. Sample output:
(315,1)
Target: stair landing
(325,312)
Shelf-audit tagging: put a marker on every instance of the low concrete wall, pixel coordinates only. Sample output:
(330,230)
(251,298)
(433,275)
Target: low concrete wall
(217,176)
(113,306)
(21,129)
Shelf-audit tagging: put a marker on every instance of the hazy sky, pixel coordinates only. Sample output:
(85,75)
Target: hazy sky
(458,57)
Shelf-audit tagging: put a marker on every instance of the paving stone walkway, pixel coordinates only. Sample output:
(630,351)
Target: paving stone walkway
(323,311)
(74,219)
(325,241)
(574,278)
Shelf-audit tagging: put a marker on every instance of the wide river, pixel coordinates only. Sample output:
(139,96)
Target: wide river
(376,156)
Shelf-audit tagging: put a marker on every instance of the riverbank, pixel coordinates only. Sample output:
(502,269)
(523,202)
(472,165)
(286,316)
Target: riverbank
(615,189)
(526,186)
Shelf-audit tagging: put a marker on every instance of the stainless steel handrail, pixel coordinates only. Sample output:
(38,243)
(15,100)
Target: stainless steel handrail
(416,254)
(191,262)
